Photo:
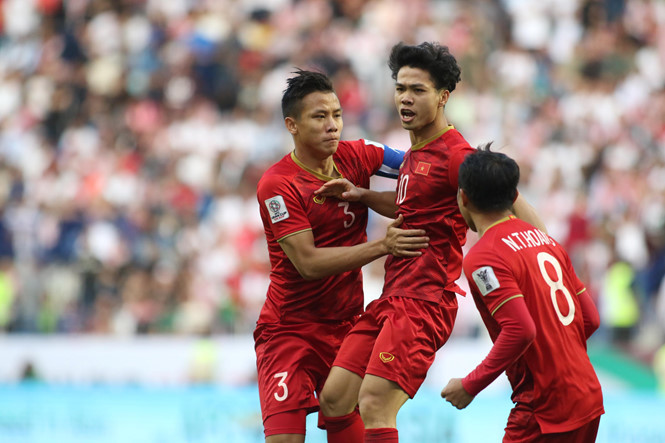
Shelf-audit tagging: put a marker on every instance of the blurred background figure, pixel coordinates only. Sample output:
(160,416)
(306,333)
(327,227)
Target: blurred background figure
(133,133)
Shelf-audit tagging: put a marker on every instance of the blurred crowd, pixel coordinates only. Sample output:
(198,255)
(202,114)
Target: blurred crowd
(133,133)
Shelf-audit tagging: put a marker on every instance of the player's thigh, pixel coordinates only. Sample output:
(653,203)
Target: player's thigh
(586,433)
(340,392)
(355,350)
(412,331)
(286,427)
(380,399)
(290,369)
(286,438)
(522,425)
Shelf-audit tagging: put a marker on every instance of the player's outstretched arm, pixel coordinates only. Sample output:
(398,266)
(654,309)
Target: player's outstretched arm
(380,202)
(314,263)
(524,211)
(518,331)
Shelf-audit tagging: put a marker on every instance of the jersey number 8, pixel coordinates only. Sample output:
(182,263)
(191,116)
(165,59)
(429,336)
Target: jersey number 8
(556,285)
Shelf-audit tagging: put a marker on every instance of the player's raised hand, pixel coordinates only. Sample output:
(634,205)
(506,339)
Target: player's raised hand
(405,242)
(455,394)
(339,188)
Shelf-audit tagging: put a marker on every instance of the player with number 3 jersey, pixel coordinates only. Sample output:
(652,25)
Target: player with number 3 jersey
(535,308)
(317,246)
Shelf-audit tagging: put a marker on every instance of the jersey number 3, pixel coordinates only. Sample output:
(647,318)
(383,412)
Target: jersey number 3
(280,384)
(348,221)
(556,285)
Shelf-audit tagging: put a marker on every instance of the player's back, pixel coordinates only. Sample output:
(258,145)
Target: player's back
(555,373)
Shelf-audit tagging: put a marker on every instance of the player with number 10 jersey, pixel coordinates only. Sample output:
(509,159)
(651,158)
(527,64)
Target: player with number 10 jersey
(426,197)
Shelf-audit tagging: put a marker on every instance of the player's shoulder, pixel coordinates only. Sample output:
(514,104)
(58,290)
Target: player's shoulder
(351,147)
(481,251)
(278,174)
(456,141)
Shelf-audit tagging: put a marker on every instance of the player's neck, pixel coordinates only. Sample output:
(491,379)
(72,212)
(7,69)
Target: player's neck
(428,131)
(320,166)
(485,221)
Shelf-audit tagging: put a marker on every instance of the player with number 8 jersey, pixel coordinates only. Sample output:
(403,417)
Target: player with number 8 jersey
(536,309)
(554,376)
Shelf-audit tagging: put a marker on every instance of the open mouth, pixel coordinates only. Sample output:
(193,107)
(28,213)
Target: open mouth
(407,115)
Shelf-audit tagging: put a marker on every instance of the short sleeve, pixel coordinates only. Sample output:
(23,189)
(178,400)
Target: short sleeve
(380,159)
(456,160)
(281,207)
(491,279)
(391,160)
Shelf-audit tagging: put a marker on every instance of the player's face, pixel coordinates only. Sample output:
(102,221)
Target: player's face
(417,99)
(318,128)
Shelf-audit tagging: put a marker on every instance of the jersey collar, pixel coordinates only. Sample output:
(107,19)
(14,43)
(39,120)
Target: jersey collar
(505,219)
(432,138)
(318,175)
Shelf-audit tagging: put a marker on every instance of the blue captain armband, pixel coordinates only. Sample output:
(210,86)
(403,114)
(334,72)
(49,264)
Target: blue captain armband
(392,160)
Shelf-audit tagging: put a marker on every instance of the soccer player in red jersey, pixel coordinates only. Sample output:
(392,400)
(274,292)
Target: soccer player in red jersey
(535,308)
(316,246)
(385,358)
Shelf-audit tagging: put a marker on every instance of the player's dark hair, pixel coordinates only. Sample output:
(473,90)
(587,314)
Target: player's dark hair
(489,179)
(431,57)
(300,86)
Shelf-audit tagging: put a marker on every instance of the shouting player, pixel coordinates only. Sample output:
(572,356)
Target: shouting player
(385,358)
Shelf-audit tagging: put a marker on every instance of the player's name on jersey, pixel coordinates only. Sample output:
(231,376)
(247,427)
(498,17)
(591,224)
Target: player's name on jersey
(527,239)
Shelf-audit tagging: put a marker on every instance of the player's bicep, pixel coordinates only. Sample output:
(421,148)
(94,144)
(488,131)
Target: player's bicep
(281,208)
(390,158)
(514,317)
(299,247)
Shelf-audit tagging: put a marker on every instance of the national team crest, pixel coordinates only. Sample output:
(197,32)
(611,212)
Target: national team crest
(423,168)
(277,208)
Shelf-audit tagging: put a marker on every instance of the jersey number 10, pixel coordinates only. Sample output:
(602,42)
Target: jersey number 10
(401,188)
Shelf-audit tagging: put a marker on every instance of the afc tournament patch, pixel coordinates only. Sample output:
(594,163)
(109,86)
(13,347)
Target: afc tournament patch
(485,279)
(277,208)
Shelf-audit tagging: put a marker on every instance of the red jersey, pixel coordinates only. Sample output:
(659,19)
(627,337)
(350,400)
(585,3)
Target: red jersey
(554,375)
(288,206)
(427,197)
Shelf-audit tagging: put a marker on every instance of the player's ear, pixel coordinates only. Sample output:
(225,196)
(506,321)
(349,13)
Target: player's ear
(462,198)
(444,95)
(291,125)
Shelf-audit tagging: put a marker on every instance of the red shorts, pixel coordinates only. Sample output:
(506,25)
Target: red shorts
(397,339)
(293,362)
(523,427)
